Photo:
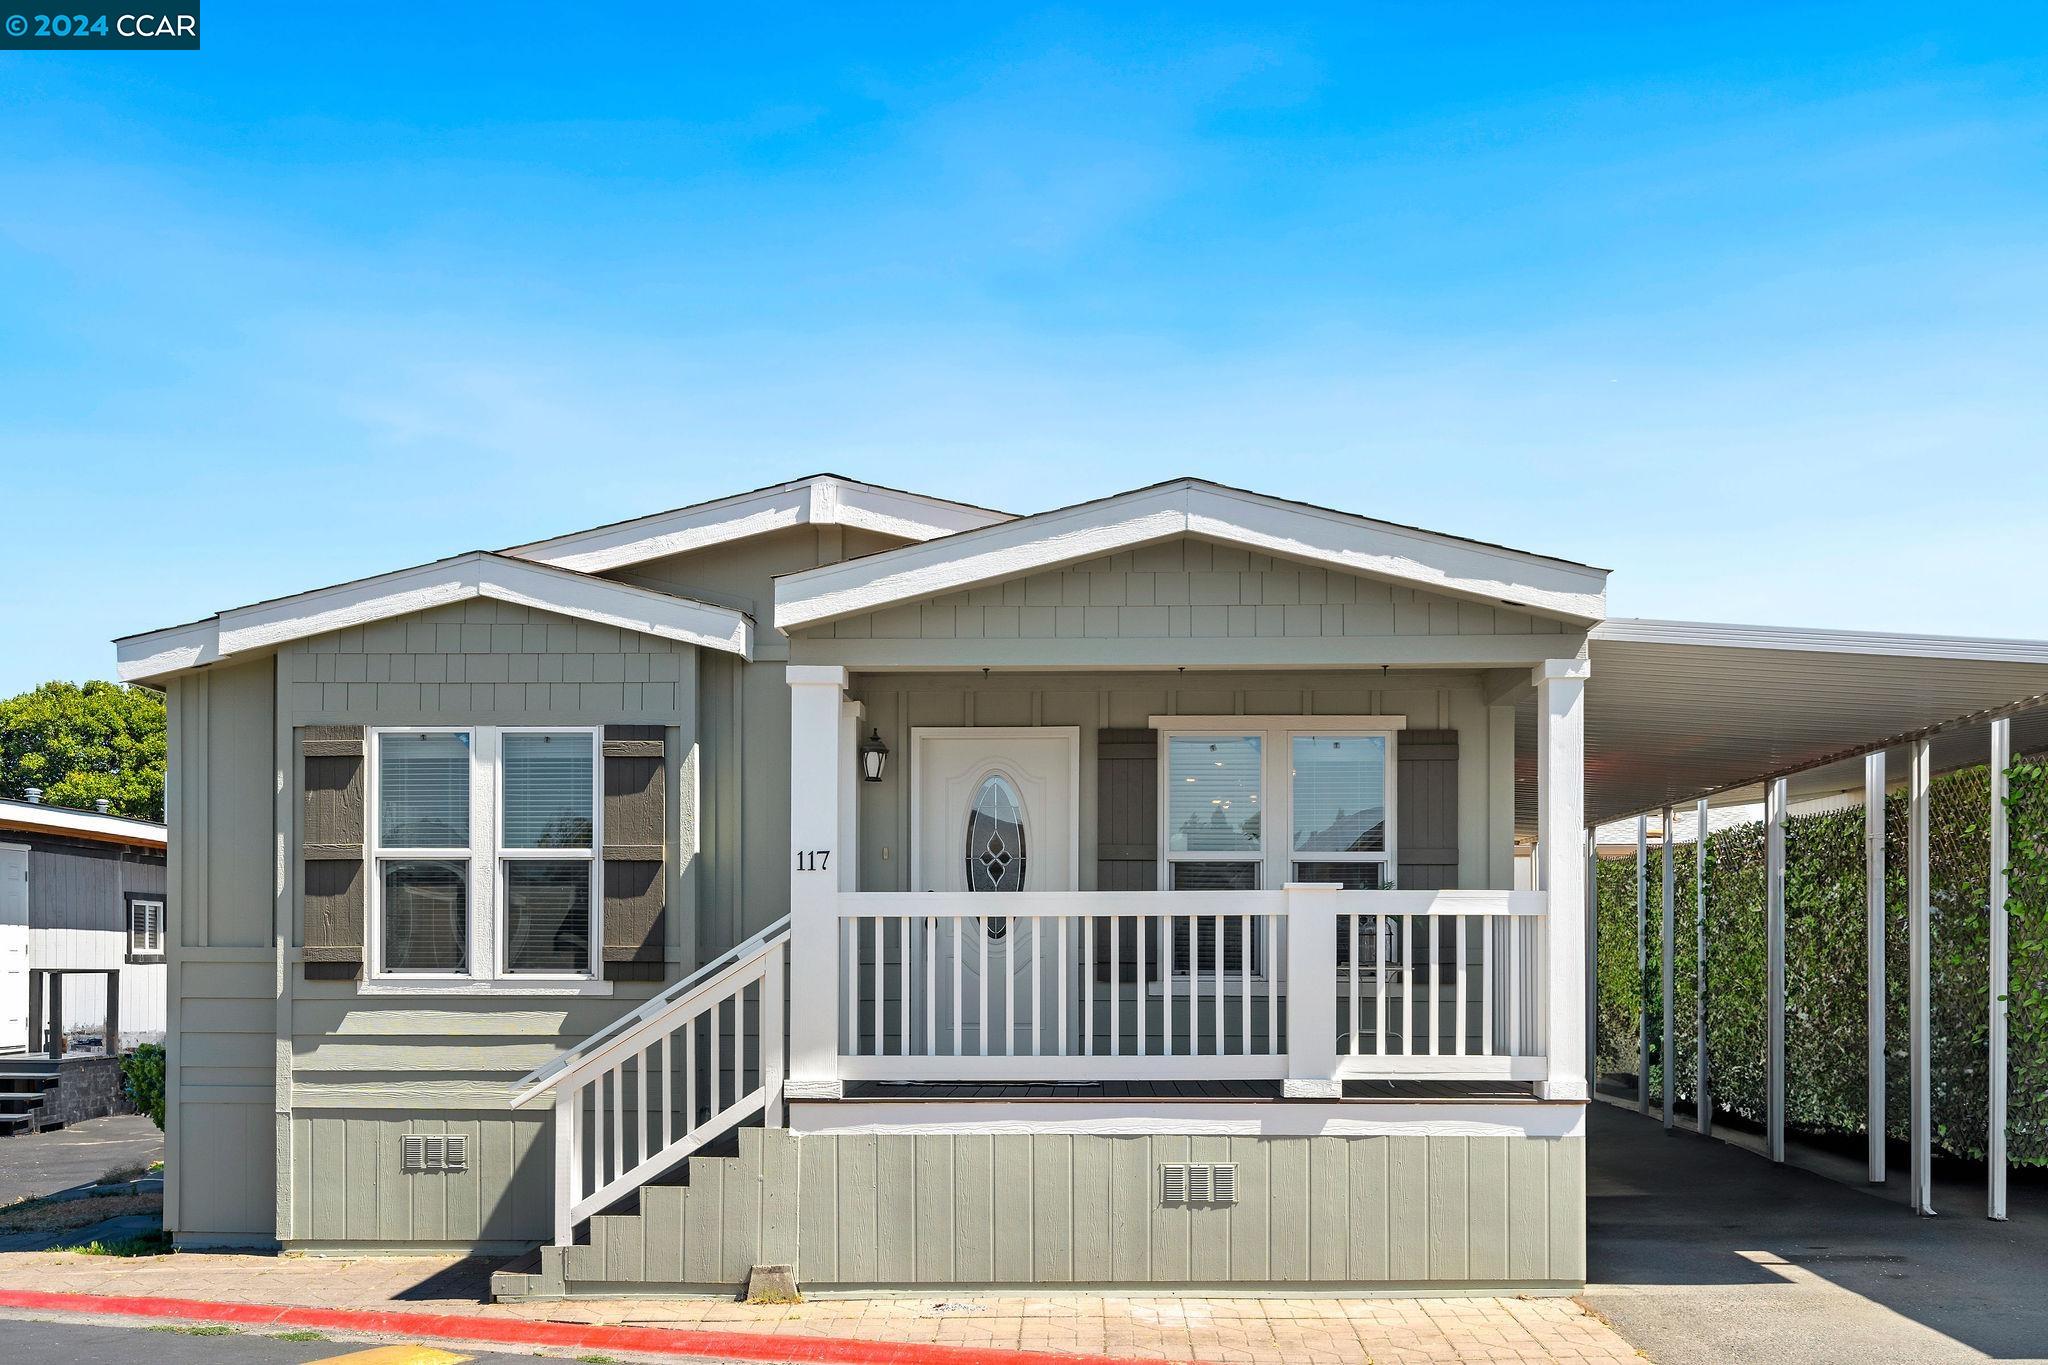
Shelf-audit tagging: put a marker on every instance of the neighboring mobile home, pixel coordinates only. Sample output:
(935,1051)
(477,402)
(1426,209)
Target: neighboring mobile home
(82,961)
(902,891)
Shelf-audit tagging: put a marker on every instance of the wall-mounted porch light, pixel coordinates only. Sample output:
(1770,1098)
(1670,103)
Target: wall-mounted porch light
(874,756)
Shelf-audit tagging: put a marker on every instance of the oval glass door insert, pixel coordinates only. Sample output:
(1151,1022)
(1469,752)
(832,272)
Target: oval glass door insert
(995,843)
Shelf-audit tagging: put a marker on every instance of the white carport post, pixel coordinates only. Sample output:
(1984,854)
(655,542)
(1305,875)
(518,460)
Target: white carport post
(1592,958)
(1994,1147)
(1560,823)
(1919,1033)
(1642,963)
(1703,1104)
(1774,938)
(1873,963)
(817,769)
(1670,946)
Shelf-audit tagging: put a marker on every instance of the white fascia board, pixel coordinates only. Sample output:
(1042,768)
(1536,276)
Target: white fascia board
(821,501)
(1378,549)
(1137,1118)
(268,625)
(160,653)
(1797,640)
(1334,539)
(64,820)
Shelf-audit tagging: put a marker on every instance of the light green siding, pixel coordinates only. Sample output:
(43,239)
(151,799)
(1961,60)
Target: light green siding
(221,978)
(898,703)
(1184,589)
(1063,1210)
(366,1069)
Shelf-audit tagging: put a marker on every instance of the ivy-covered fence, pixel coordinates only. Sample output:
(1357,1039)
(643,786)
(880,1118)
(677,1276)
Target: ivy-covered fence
(1826,1067)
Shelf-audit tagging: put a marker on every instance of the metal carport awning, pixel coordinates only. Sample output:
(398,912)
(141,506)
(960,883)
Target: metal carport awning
(1677,710)
(1682,712)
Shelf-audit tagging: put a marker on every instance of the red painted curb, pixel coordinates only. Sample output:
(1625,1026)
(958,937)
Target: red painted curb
(677,1341)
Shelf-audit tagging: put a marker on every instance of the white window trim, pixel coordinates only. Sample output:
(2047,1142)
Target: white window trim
(1346,728)
(1276,858)
(486,859)
(152,943)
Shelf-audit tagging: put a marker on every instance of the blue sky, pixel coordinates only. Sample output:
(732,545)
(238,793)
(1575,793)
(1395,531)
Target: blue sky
(1748,303)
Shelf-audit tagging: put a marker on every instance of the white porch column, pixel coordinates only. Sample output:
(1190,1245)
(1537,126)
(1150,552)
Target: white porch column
(1994,1148)
(1919,1034)
(816,784)
(1560,824)
(1775,798)
(1643,963)
(1873,960)
(1670,996)
(1311,993)
(1703,1104)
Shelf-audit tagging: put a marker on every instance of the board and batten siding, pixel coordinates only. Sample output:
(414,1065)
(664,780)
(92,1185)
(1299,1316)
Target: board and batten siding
(1010,1210)
(78,918)
(1016,1209)
(221,1086)
(367,1069)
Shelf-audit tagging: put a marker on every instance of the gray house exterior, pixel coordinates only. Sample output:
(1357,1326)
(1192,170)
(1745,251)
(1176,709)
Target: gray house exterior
(724,1002)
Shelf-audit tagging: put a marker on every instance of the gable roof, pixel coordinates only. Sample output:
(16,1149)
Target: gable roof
(820,500)
(1440,563)
(264,626)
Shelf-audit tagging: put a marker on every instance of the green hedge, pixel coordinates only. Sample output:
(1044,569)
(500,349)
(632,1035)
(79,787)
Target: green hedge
(1825,1050)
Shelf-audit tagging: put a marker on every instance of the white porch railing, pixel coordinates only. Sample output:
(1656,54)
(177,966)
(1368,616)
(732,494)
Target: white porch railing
(654,1086)
(1309,985)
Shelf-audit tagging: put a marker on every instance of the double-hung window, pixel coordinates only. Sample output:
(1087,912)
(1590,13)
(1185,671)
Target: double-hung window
(1337,809)
(483,854)
(1215,830)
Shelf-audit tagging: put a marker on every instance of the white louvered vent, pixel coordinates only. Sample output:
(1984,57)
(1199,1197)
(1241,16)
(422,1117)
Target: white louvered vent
(1198,1182)
(422,1152)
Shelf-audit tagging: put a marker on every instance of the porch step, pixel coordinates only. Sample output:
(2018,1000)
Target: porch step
(25,1084)
(735,1208)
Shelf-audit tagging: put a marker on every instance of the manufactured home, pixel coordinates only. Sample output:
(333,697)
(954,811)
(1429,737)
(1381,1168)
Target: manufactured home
(914,894)
(82,957)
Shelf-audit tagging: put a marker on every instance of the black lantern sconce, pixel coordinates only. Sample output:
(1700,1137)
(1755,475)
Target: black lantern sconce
(874,757)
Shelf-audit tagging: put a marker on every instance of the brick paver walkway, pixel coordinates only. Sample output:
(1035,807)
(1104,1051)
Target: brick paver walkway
(1254,1331)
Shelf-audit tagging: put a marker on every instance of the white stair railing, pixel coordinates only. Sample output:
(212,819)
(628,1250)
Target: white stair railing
(647,1090)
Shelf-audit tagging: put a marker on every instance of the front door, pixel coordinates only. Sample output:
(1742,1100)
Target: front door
(994,811)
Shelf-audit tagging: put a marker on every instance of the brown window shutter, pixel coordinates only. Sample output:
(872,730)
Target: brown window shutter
(635,851)
(1126,838)
(1427,810)
(331,850)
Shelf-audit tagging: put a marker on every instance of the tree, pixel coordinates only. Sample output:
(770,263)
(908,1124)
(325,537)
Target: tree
(79,743)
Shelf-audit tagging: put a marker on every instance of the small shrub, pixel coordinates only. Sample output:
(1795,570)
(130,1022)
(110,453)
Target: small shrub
(142,1077)
(142,1244)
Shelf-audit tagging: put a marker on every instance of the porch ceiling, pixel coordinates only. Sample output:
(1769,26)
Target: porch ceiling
(1677,710)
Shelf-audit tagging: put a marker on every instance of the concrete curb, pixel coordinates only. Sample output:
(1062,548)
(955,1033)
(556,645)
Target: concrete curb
(697,1342)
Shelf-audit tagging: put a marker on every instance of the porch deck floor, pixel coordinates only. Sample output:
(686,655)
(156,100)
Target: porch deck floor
(1212,1091)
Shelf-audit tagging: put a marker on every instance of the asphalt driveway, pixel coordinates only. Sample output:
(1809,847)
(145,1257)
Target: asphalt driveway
(1703,1252)
(44,1163)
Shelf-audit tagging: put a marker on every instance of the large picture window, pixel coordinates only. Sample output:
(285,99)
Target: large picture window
(484,853)
(1250,802)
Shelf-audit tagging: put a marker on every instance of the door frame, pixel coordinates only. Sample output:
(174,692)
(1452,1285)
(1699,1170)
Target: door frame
(920,733)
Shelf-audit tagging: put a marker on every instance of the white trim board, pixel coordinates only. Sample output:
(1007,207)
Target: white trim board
(1795,639)
(1461,568)
(821,500)
(1138,1118)
(265,626)
(39,815)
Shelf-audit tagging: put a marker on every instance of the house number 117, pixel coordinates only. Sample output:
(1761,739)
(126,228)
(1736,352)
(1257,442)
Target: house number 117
(812,859)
